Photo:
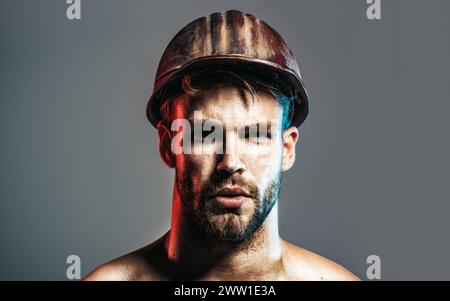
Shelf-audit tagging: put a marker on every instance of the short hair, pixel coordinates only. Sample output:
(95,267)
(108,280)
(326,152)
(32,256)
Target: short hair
(194,85)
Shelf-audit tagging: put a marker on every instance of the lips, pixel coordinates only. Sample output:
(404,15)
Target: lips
(231,197)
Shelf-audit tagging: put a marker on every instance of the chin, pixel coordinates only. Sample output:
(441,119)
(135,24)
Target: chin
(229,226)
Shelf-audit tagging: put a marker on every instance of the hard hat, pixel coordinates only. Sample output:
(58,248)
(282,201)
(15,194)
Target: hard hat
(231,39)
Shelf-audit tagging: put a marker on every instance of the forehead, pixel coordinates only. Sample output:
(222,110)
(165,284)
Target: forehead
(234,106)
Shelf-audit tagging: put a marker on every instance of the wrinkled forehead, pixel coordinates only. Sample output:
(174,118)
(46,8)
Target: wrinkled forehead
(233,107)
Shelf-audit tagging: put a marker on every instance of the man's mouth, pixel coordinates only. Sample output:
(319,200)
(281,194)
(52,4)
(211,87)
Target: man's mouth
(231,197)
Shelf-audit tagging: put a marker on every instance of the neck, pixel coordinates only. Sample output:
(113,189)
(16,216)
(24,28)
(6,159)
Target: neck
(192,255)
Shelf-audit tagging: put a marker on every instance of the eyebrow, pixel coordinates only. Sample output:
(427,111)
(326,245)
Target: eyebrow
(202,121)
(258,125)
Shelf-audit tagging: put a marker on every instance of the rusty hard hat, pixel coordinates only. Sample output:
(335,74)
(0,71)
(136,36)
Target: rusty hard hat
(231,39)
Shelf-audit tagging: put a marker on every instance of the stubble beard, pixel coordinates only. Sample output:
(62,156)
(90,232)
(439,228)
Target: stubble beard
(233,226)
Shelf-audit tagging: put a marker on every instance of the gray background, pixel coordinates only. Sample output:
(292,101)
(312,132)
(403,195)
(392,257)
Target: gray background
(79,168)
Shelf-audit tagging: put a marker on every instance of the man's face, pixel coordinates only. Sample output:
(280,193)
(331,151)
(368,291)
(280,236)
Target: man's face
(230,186)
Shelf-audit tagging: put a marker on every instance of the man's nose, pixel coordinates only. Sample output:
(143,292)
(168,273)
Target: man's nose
(230,163)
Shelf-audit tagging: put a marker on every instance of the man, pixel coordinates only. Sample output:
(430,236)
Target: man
(227,101)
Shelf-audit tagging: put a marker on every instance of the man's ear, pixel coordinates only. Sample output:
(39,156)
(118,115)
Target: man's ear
(290,138)
(165,149)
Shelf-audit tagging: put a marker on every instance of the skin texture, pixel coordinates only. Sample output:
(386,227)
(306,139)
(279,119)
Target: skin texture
(207,241)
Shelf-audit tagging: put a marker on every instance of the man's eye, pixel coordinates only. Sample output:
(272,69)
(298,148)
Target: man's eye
(263,134)
(252,135)
(255,134)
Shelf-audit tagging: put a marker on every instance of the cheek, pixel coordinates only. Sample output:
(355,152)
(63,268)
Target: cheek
(268,150)
(266,166)
(197,168)
(264,156)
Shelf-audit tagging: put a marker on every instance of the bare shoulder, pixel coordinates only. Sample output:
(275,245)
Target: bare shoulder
(110,271)
(306,265)
(127,267)
(132,266)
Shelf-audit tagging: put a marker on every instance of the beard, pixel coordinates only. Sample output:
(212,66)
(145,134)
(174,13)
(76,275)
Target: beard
(233,225)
